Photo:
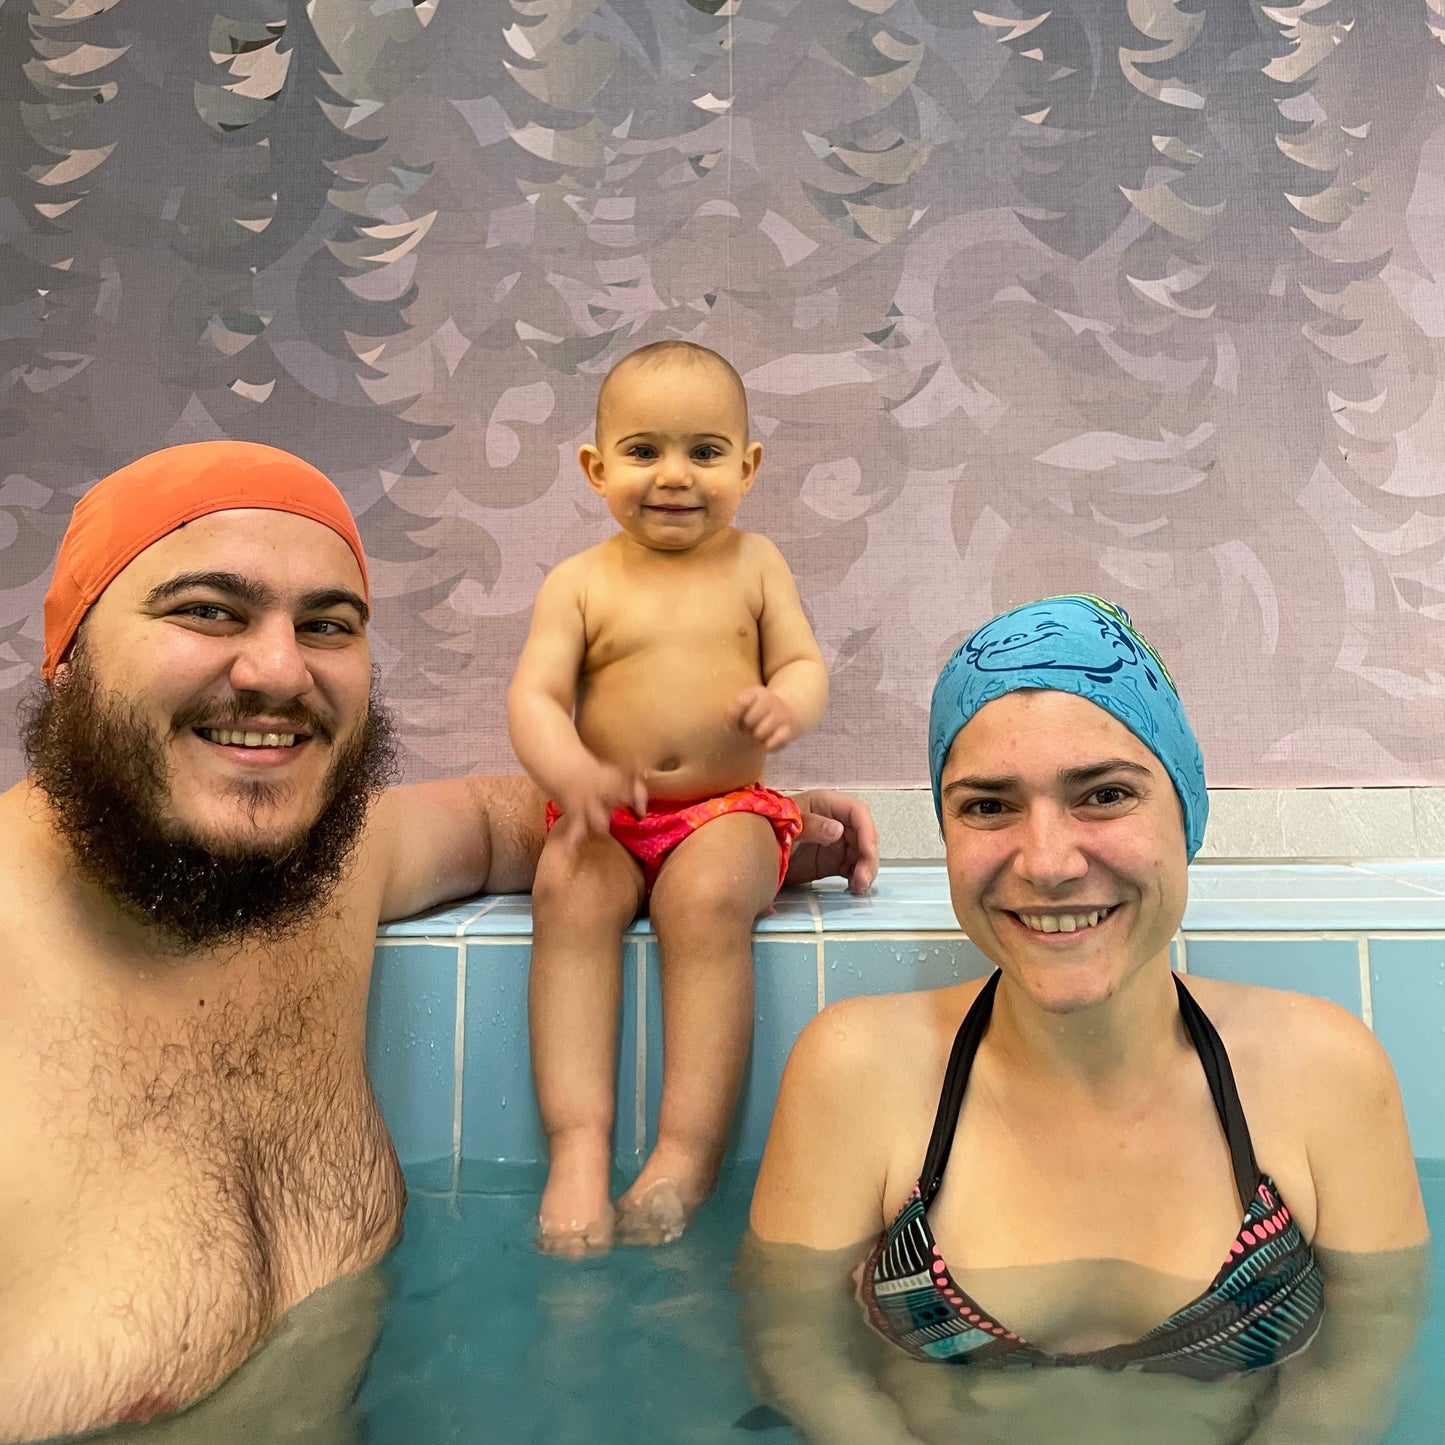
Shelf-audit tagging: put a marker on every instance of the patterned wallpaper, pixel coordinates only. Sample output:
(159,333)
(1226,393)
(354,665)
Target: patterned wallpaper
(1145,299)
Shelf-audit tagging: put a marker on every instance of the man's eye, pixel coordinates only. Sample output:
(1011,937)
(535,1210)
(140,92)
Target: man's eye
(1109,797)
(325,627)
(206,612)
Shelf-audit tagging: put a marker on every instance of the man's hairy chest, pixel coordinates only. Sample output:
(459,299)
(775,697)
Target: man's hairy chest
(180,1182)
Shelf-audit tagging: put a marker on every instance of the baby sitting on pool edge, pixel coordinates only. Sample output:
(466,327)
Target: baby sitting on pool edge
(661,668)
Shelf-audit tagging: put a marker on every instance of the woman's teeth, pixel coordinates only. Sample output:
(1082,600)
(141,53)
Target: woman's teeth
(1063,922)
(230,738)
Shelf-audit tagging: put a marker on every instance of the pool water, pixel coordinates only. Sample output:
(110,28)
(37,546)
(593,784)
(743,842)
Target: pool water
(484,1339)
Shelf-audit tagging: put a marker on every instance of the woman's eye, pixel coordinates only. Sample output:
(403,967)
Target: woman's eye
(982,808)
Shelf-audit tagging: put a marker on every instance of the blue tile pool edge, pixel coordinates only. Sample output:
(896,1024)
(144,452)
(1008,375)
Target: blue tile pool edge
(918,944)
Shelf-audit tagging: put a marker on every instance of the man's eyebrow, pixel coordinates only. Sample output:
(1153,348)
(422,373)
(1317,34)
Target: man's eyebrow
(325,598)
(232,583)
(247,589)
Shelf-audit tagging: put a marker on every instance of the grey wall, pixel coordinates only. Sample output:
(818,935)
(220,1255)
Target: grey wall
(1142,299)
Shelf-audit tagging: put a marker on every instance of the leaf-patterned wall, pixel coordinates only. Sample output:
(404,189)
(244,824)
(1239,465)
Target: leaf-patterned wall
(1144,299)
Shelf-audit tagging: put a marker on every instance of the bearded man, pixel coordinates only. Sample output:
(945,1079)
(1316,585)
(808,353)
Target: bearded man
(190,884)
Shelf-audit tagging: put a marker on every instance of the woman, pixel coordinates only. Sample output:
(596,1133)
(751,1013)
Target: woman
(1046,1168)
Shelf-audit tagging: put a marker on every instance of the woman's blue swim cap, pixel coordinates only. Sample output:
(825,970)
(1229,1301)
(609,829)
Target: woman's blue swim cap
(1086,646)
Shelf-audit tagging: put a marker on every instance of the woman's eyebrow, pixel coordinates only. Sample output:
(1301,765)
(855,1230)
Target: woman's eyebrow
(1078,777)
(1069,777)
(1003,784)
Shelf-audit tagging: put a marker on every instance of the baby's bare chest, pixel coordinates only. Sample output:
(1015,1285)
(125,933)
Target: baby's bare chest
(635,619)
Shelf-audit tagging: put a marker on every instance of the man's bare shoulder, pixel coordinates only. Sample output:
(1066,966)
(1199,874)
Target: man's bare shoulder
(31,854)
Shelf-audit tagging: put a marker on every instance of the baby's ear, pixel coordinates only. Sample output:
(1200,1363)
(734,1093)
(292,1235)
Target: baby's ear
(590,460)
(752,460)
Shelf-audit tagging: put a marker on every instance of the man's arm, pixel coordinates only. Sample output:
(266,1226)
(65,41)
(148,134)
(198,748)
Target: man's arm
(447,840)
(839,840)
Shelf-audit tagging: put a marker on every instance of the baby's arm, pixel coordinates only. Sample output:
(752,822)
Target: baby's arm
(795,681)
(539,713)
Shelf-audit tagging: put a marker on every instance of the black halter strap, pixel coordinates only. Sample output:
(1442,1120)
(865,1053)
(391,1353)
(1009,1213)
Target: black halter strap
(1207,1044)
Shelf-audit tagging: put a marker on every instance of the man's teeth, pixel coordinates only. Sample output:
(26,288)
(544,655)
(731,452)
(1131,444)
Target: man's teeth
(1063,922)
(230,738)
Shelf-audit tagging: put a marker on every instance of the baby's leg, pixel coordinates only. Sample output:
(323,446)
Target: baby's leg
(703,905)
(581,902)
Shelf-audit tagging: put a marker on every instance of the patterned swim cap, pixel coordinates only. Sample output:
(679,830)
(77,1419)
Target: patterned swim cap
(1086,646)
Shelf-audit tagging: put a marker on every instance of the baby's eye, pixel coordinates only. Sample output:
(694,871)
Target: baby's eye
(706,453)
(641,452)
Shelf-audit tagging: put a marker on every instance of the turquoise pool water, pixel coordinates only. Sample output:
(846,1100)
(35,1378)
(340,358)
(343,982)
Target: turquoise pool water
(482,1339)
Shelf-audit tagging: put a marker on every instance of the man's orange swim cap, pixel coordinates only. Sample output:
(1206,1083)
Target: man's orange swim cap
(122,515)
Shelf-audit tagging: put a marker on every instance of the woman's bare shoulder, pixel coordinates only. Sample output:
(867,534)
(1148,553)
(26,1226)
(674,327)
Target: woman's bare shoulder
(1319,1046)
(870,1036)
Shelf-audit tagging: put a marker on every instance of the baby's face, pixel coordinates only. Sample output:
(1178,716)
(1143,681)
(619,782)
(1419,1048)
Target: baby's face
(672,459)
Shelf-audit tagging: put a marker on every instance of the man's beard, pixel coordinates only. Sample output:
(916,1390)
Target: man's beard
(103,769)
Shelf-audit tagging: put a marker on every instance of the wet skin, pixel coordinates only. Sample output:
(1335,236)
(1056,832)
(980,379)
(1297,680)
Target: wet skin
(192,1146)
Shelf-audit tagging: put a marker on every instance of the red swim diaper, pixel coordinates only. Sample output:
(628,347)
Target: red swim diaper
(651,838)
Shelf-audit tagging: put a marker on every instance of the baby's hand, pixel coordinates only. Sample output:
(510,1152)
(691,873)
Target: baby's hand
(764,717)
(593,793)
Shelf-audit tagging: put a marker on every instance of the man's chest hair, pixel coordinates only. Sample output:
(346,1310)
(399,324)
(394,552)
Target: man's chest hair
(256,1063)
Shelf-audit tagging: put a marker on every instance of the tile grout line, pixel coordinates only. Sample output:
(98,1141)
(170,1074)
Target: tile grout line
(459,1064)
(471,918)
(817,915)
(1367,1000)
(639,1091)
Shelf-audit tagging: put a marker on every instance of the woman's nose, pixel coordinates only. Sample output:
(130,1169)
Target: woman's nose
(269,661)
(1050,853)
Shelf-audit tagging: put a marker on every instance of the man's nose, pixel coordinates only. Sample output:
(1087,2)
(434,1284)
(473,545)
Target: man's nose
(1050,848)
(269,660)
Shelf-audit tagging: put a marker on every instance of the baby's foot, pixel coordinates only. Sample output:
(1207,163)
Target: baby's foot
(652,1217)
(576,1217)
(576,1241)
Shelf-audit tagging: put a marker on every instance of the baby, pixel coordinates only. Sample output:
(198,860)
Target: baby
(662,666)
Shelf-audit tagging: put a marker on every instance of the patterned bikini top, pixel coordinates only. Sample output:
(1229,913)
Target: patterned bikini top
(1264,1304)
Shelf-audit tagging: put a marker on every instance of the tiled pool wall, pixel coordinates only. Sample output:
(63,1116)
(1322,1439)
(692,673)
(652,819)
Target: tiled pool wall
(447,1035)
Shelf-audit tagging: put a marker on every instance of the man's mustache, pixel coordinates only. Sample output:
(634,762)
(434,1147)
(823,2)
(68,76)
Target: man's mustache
(244,707)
